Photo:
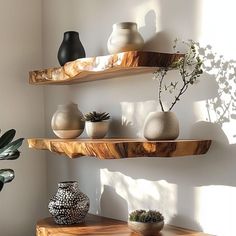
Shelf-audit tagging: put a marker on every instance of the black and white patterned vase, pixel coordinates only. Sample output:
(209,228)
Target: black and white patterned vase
(69,205)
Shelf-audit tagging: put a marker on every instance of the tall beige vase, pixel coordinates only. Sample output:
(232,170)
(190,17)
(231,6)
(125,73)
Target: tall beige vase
(125,37)
(161,126)
(67,121)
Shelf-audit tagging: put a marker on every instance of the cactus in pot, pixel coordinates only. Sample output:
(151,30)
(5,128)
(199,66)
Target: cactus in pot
(97,124)
(146,222)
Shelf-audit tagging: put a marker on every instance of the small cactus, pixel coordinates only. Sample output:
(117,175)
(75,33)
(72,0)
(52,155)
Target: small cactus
(96,116)
(150,216)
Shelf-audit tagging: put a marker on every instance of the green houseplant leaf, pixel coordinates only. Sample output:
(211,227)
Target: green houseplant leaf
(7,137)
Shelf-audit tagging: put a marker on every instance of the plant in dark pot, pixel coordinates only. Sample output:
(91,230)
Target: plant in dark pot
(146,223)
(164,125)
(97,124)
(8,151)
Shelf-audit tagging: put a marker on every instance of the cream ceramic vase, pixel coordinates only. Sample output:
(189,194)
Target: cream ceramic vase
(97,130)
(125,37)
(67,121)
(161,126)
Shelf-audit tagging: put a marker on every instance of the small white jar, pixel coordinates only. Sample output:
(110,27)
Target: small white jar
(125,37)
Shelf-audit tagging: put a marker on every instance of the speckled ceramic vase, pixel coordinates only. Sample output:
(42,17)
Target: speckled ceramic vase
(67,121)
(161,126)
(125,37)
(69,205)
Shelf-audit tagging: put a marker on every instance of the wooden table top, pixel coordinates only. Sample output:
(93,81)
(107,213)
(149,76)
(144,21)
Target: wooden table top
(102,226)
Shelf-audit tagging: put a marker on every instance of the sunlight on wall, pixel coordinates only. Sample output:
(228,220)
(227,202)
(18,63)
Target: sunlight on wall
(141,193)
(216,21)
(134,114)
(215,209)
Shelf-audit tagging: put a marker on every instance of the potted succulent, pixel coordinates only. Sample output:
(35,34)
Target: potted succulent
(146,223)
(97,124)
(8,151)
(164,125)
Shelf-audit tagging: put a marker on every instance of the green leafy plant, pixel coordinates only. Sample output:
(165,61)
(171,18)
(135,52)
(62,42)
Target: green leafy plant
(96,116)
(8,151)
(150,216)
(189,68)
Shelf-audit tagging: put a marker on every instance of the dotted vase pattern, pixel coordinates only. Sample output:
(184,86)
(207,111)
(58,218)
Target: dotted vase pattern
(69,205)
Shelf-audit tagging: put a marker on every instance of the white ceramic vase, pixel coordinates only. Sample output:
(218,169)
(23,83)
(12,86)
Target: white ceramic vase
(96,130)
(161,126)
(67,121)
(125,37)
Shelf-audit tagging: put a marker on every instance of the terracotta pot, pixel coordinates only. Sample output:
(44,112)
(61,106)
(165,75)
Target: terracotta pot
(125,37)
(97,129)
(161,126)
(67,121)
(146,229)
(69,205)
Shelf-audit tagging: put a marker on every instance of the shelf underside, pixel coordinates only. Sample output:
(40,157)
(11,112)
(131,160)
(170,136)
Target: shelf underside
(121,148)
(103,67)
(97,225)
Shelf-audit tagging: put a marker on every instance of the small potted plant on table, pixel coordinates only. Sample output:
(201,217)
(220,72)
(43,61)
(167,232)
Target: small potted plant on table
(97,124)
(146,223)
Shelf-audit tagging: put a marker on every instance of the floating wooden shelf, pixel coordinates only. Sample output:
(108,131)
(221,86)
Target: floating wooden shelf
(121,148)
(103,67)
(97,225)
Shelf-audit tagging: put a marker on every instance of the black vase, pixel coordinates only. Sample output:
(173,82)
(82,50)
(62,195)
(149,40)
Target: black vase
(71,48)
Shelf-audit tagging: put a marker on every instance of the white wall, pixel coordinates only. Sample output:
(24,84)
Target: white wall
(194,192)
(23,201)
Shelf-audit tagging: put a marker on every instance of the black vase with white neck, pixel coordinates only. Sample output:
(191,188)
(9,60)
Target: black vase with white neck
(71,48)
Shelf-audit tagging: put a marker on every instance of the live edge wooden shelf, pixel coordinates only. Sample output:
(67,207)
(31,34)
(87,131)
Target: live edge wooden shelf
(121,148)
(97,225)
(103,67)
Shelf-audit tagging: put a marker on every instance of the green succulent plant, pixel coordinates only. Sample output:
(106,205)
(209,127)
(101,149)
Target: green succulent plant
(96,116)
(8,151)
(150,216)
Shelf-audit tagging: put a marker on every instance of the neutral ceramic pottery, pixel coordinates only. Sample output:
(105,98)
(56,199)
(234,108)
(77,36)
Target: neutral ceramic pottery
(69,205)
(125,37)
(71,48)
(67,121)
(97,129)
(161,126)
(146,229)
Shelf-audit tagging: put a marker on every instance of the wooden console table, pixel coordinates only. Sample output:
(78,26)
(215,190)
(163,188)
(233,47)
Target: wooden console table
(102,226)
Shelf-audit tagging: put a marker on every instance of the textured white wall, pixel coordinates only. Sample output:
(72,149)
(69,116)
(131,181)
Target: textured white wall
(22,202)
(194,192)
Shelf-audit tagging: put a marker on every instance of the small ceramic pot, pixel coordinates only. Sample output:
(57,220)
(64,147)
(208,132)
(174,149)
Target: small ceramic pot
(69,205)
(125,37)
(97,129)
(161,126)
(146,229)
(67,121)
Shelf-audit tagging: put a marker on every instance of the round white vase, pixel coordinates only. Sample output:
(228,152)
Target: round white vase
(96,130)
(67,121)
(161,126)
(125,37)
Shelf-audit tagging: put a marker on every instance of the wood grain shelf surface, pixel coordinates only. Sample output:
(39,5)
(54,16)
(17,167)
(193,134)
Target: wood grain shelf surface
(97,225)
(121,148)
(103,67)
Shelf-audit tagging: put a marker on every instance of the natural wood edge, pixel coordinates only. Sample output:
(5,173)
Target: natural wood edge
(103,67)
(121,148)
